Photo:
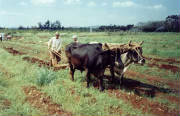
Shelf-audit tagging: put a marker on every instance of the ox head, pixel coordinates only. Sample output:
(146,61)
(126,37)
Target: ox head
(135,53)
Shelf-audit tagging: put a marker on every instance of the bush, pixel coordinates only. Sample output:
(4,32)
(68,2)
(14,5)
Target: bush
(45,77)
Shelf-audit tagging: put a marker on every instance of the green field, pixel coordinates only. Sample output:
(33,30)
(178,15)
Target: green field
(30,88)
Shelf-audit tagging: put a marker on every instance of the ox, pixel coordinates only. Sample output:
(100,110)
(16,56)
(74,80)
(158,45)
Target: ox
(131,55)
(91,58)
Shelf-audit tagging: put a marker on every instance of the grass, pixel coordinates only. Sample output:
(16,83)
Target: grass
(74,96)
(45,77)
(85,101)
(11,89)
(58,87)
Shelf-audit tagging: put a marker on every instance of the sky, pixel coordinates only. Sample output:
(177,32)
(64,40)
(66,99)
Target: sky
(14,13)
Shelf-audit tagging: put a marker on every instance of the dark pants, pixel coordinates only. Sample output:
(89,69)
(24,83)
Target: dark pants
(54,59)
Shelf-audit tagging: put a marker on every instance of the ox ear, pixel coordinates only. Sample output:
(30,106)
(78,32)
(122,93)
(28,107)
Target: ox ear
(141,42)
(106,46)
(129,43)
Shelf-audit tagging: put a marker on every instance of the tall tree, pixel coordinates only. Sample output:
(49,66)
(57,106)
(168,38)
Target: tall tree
(172,23)
(47,25)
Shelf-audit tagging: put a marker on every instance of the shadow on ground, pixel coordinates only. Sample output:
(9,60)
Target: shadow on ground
(131,85)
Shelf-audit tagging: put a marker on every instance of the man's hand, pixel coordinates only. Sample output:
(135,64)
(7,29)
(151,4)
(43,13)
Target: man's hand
(55,51)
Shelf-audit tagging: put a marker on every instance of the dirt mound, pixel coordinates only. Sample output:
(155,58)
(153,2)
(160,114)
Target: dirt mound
(13,51)
(4,104)
(38,61)
(172,68)
(144,104)
(62,66)
(169,60)
(43,102)
(42,63)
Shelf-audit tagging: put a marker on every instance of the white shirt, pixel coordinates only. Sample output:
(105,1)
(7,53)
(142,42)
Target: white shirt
(55,44)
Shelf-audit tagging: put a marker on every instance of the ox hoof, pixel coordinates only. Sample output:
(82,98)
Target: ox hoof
(101,89)
(87,86)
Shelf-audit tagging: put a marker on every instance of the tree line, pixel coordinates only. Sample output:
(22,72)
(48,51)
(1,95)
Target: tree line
(170,24)
(48,25)
(113,28)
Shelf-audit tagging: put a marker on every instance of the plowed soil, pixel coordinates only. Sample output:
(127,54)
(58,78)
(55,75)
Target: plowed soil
(172,68)
(43,102)
(13,51)
(43,37)
(173,99)
(154,79)
(147,106)
(158,62)
(42,63)
(169,60)
(5,104)
(36,60)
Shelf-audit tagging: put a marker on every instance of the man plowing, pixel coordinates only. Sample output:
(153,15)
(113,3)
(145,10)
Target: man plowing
(54,46)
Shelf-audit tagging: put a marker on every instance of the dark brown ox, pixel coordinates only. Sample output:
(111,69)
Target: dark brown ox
(92,59)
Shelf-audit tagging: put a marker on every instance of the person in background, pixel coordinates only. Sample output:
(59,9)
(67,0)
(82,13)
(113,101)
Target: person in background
(74,37)
(0,37)
(54,47)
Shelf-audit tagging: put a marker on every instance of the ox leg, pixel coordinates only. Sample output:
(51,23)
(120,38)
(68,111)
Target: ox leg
(72,70)
(121,80)
(112,73)
(101,87)
(88,78)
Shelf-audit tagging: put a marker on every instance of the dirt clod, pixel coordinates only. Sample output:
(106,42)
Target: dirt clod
(42,63)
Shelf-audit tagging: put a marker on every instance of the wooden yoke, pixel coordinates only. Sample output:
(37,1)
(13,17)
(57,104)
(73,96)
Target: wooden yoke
(123,48)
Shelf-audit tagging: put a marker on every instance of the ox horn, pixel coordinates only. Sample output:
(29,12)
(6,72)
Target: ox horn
(129,43)
(106,46)
(141,42)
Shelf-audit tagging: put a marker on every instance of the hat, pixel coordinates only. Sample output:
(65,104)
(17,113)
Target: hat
(57,33)
(74,36)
